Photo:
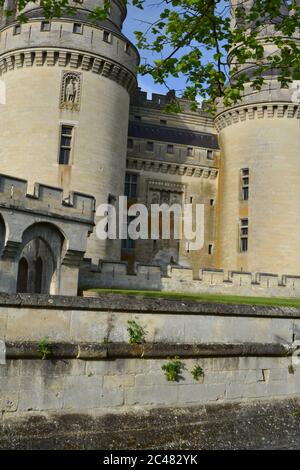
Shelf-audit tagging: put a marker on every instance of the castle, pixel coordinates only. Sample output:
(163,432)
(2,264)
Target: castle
(76,131)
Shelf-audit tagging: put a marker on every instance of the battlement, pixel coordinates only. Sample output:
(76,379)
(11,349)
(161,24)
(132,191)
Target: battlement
(45,200)
(159,101)
(208,281)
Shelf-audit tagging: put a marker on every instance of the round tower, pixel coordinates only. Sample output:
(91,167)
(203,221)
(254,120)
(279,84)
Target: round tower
(260,173)
(65,87)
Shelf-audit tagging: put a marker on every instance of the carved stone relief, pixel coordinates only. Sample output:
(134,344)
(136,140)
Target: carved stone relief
(71,91)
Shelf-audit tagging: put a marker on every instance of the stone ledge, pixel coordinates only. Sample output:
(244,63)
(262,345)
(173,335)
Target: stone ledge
(140,304)
(92,351)
(271,424)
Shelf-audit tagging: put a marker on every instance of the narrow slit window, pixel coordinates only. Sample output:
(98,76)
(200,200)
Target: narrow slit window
(66,137)
(244,230)
(245,184)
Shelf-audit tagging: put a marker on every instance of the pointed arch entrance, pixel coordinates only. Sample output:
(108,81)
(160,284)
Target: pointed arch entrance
(40,260)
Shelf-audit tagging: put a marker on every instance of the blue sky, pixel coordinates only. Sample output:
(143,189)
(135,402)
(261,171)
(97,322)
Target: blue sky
(136,21)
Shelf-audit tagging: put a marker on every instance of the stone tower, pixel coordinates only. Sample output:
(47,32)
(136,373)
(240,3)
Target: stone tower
(260,175)
(65,89)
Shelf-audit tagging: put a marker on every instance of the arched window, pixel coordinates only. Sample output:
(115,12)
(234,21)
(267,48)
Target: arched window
(38,276)
(22,282)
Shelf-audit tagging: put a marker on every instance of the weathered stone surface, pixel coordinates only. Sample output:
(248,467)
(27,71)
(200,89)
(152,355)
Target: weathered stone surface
(270,425)
(126,303)
(30,349)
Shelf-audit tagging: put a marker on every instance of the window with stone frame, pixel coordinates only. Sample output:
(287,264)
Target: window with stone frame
(244,231)
(66,138)
(131,181)
(245,184)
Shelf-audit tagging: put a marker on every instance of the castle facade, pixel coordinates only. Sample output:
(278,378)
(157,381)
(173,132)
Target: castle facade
(77,132)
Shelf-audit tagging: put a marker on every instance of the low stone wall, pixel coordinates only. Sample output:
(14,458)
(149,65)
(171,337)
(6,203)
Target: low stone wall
(98,391)
(209,281)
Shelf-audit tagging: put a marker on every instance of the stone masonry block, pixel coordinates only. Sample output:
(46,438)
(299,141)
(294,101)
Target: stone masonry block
(111,381)
(81,392)
(153,395)
(199,393)
(89,326)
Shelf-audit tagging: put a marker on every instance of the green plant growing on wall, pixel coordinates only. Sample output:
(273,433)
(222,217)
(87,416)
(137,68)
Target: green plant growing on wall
(295,414)
(172,369)
(136,332)
(291,369)
(44,349)
(197,372)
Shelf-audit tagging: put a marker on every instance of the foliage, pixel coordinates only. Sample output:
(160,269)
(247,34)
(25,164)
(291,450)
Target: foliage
(295,414)
(172,369)
(207,42)
(197,372)
(136,332)
(44,349)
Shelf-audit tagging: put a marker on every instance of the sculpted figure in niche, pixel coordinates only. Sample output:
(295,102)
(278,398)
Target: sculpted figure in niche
(175,199)
(71,90)
(155,198)
(70,94)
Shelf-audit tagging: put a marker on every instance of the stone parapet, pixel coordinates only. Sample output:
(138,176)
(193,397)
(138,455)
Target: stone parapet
(209,281)
(45,200)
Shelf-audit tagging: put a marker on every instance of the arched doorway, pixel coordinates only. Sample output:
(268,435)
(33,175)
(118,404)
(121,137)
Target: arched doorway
(41,250)
(22,281)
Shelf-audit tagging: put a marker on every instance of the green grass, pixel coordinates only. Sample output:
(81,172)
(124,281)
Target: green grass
(228,299)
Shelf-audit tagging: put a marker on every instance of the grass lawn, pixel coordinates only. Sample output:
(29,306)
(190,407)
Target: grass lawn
(229,299)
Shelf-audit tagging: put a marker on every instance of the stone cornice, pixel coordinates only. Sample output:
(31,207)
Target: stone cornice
(68,58)
(257,111)
(172,168)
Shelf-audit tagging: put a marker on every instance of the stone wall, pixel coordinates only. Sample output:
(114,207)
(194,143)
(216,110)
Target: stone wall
(208,281)
(42,226)
(99,383)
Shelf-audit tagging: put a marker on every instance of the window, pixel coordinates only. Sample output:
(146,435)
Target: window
(244,227)
(189,152)
(45,26)
(17,29)
(106,36)
(128,243)
(210,155)
(127,47)
(77,28)
(212,202)
(66,135)
(170,148)
(163,122)
(137,118)
(245,183)
(130,143)
(150,146)
(210,249)
(131,185)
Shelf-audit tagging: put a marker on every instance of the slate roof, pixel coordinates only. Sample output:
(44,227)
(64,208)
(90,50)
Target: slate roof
(172,135)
